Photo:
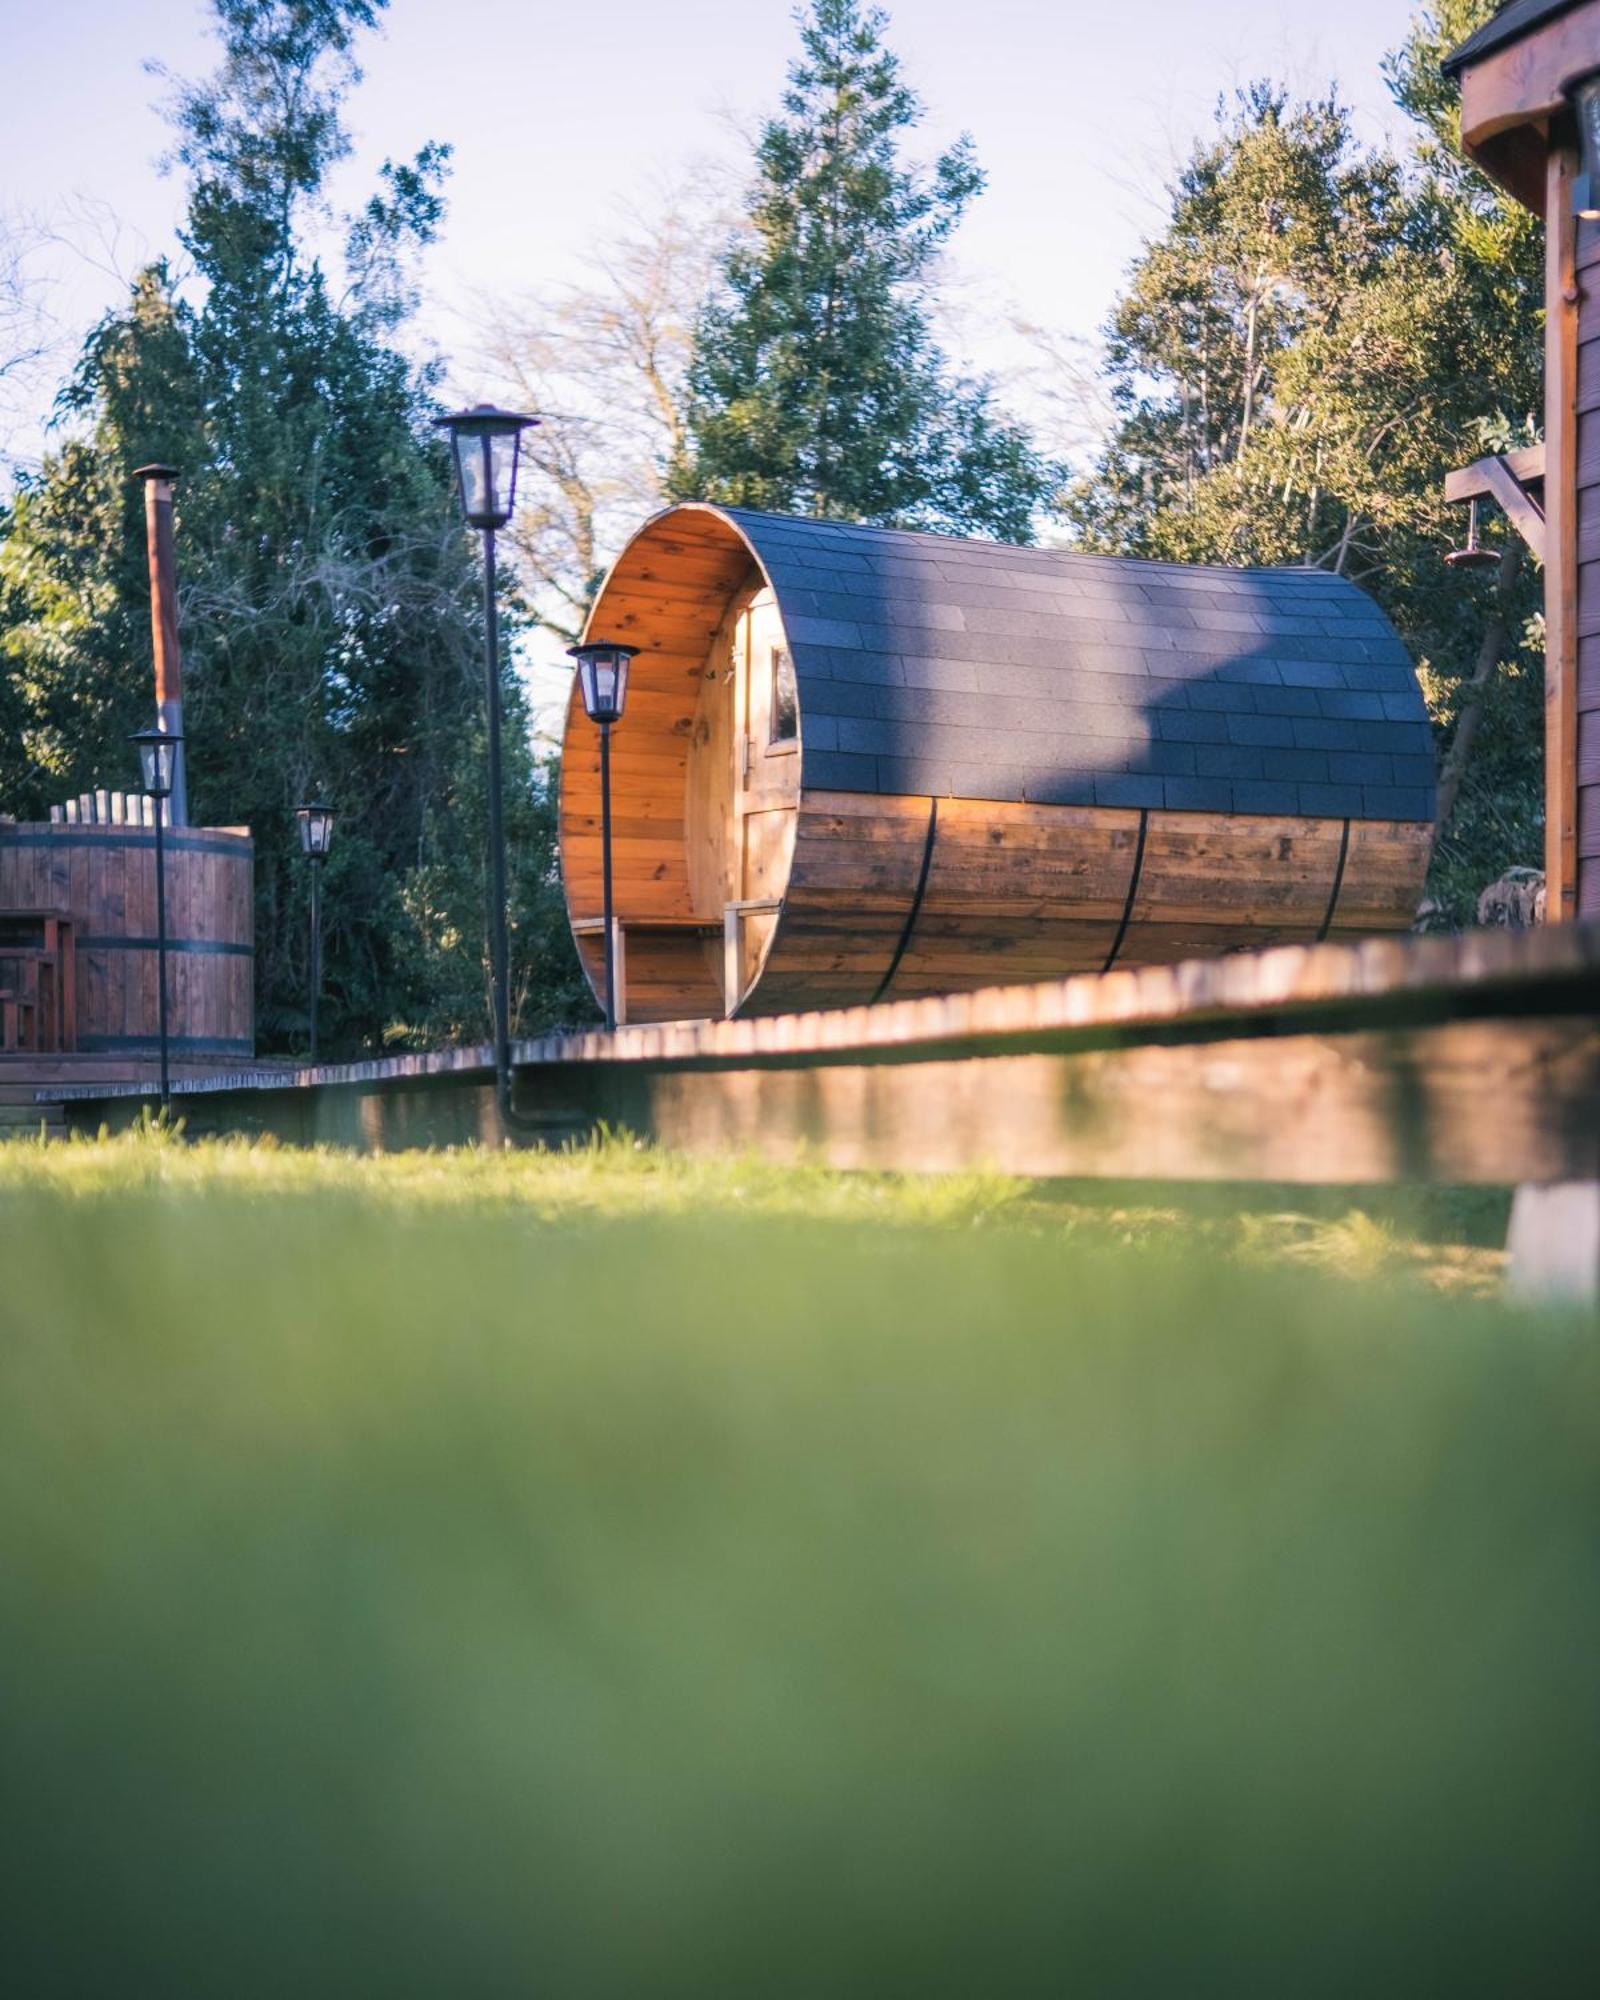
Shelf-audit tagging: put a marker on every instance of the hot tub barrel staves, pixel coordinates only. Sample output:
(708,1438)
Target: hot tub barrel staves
(100,880)
(860,764)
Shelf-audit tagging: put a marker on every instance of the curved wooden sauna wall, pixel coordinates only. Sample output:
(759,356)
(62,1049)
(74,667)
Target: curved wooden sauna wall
(1007,765)
(104,879)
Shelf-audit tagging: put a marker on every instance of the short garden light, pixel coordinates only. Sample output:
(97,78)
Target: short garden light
(158,764)
(603,683)
(316,837)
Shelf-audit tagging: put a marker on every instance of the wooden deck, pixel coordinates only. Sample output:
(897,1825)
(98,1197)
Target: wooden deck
(1472,1059)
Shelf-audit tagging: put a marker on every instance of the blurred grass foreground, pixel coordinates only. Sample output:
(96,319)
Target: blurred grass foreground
(600,1577)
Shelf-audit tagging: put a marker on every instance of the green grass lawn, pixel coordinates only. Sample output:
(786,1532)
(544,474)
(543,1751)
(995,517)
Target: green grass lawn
(601,1575)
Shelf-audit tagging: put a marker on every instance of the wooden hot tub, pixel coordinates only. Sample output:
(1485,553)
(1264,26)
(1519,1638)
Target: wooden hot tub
(101,881)
(859,764)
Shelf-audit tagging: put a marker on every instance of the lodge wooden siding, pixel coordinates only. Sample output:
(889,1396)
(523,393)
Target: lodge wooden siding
(1588,884)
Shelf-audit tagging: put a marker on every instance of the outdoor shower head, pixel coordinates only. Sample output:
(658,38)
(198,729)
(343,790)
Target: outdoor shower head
(1474,555)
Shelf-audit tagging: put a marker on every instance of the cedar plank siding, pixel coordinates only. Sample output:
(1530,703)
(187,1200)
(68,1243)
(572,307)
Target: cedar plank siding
(1589,570)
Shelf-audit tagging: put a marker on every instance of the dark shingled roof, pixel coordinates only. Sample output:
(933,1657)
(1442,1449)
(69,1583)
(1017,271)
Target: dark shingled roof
(976,670)
(1511,21)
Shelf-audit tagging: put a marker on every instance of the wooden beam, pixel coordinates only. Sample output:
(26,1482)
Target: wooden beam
(1507,480)
(1561,539)
(1526,466)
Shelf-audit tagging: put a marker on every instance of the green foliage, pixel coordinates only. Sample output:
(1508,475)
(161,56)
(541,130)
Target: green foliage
(1319,335)
(329,591)
(816,386)
(546,1597)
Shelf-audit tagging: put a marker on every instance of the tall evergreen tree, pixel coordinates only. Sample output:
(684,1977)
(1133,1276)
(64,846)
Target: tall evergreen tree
(1319,334)
(816,384)
(330,624)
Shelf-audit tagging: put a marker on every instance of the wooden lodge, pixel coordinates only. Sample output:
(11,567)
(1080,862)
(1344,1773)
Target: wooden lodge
(1518,123)
(861,765)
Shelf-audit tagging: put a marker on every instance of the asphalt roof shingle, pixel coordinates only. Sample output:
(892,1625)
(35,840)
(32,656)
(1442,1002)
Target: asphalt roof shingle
(979,670)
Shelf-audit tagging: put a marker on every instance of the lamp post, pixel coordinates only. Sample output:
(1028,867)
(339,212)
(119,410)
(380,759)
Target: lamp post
(316,837)
(485,443)
(603,683)
(158,763)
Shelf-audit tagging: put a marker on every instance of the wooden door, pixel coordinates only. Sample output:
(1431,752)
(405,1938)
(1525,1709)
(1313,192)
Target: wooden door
(766,772)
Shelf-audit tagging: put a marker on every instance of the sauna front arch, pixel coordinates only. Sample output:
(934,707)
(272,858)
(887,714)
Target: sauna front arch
(859,764)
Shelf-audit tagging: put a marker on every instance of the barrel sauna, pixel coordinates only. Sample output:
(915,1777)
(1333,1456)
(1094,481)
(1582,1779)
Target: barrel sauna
(102,881)
(859,764)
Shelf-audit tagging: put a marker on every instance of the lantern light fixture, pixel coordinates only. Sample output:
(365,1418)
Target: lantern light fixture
(158,760)
(603,678)
(316,830)
(486,443)
(1583,94)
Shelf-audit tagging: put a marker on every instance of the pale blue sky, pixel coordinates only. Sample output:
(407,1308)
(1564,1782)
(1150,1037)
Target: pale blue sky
(557,113)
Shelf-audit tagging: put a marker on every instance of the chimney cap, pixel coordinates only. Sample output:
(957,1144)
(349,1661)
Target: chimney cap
(156,471)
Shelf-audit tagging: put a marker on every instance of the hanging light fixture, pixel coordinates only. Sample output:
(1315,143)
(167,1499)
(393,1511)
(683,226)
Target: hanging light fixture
(1474,555)
(1583,94)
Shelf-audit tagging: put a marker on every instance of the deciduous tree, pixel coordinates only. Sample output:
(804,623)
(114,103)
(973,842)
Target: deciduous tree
(1321,332)
(329,610)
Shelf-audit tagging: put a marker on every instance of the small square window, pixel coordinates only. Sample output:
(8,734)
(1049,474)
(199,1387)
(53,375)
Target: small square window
(785,710)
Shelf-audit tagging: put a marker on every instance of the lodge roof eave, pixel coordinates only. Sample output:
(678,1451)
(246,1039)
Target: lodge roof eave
(1513,21)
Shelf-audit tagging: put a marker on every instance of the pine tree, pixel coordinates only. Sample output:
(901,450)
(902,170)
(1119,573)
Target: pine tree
(330,622)
(816,385)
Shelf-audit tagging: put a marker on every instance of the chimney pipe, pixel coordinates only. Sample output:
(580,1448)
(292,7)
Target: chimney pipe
(158,485)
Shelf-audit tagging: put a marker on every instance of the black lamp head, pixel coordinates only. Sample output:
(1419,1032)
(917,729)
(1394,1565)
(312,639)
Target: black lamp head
(158,760)
(603,677)
(316,830)
(485,443)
